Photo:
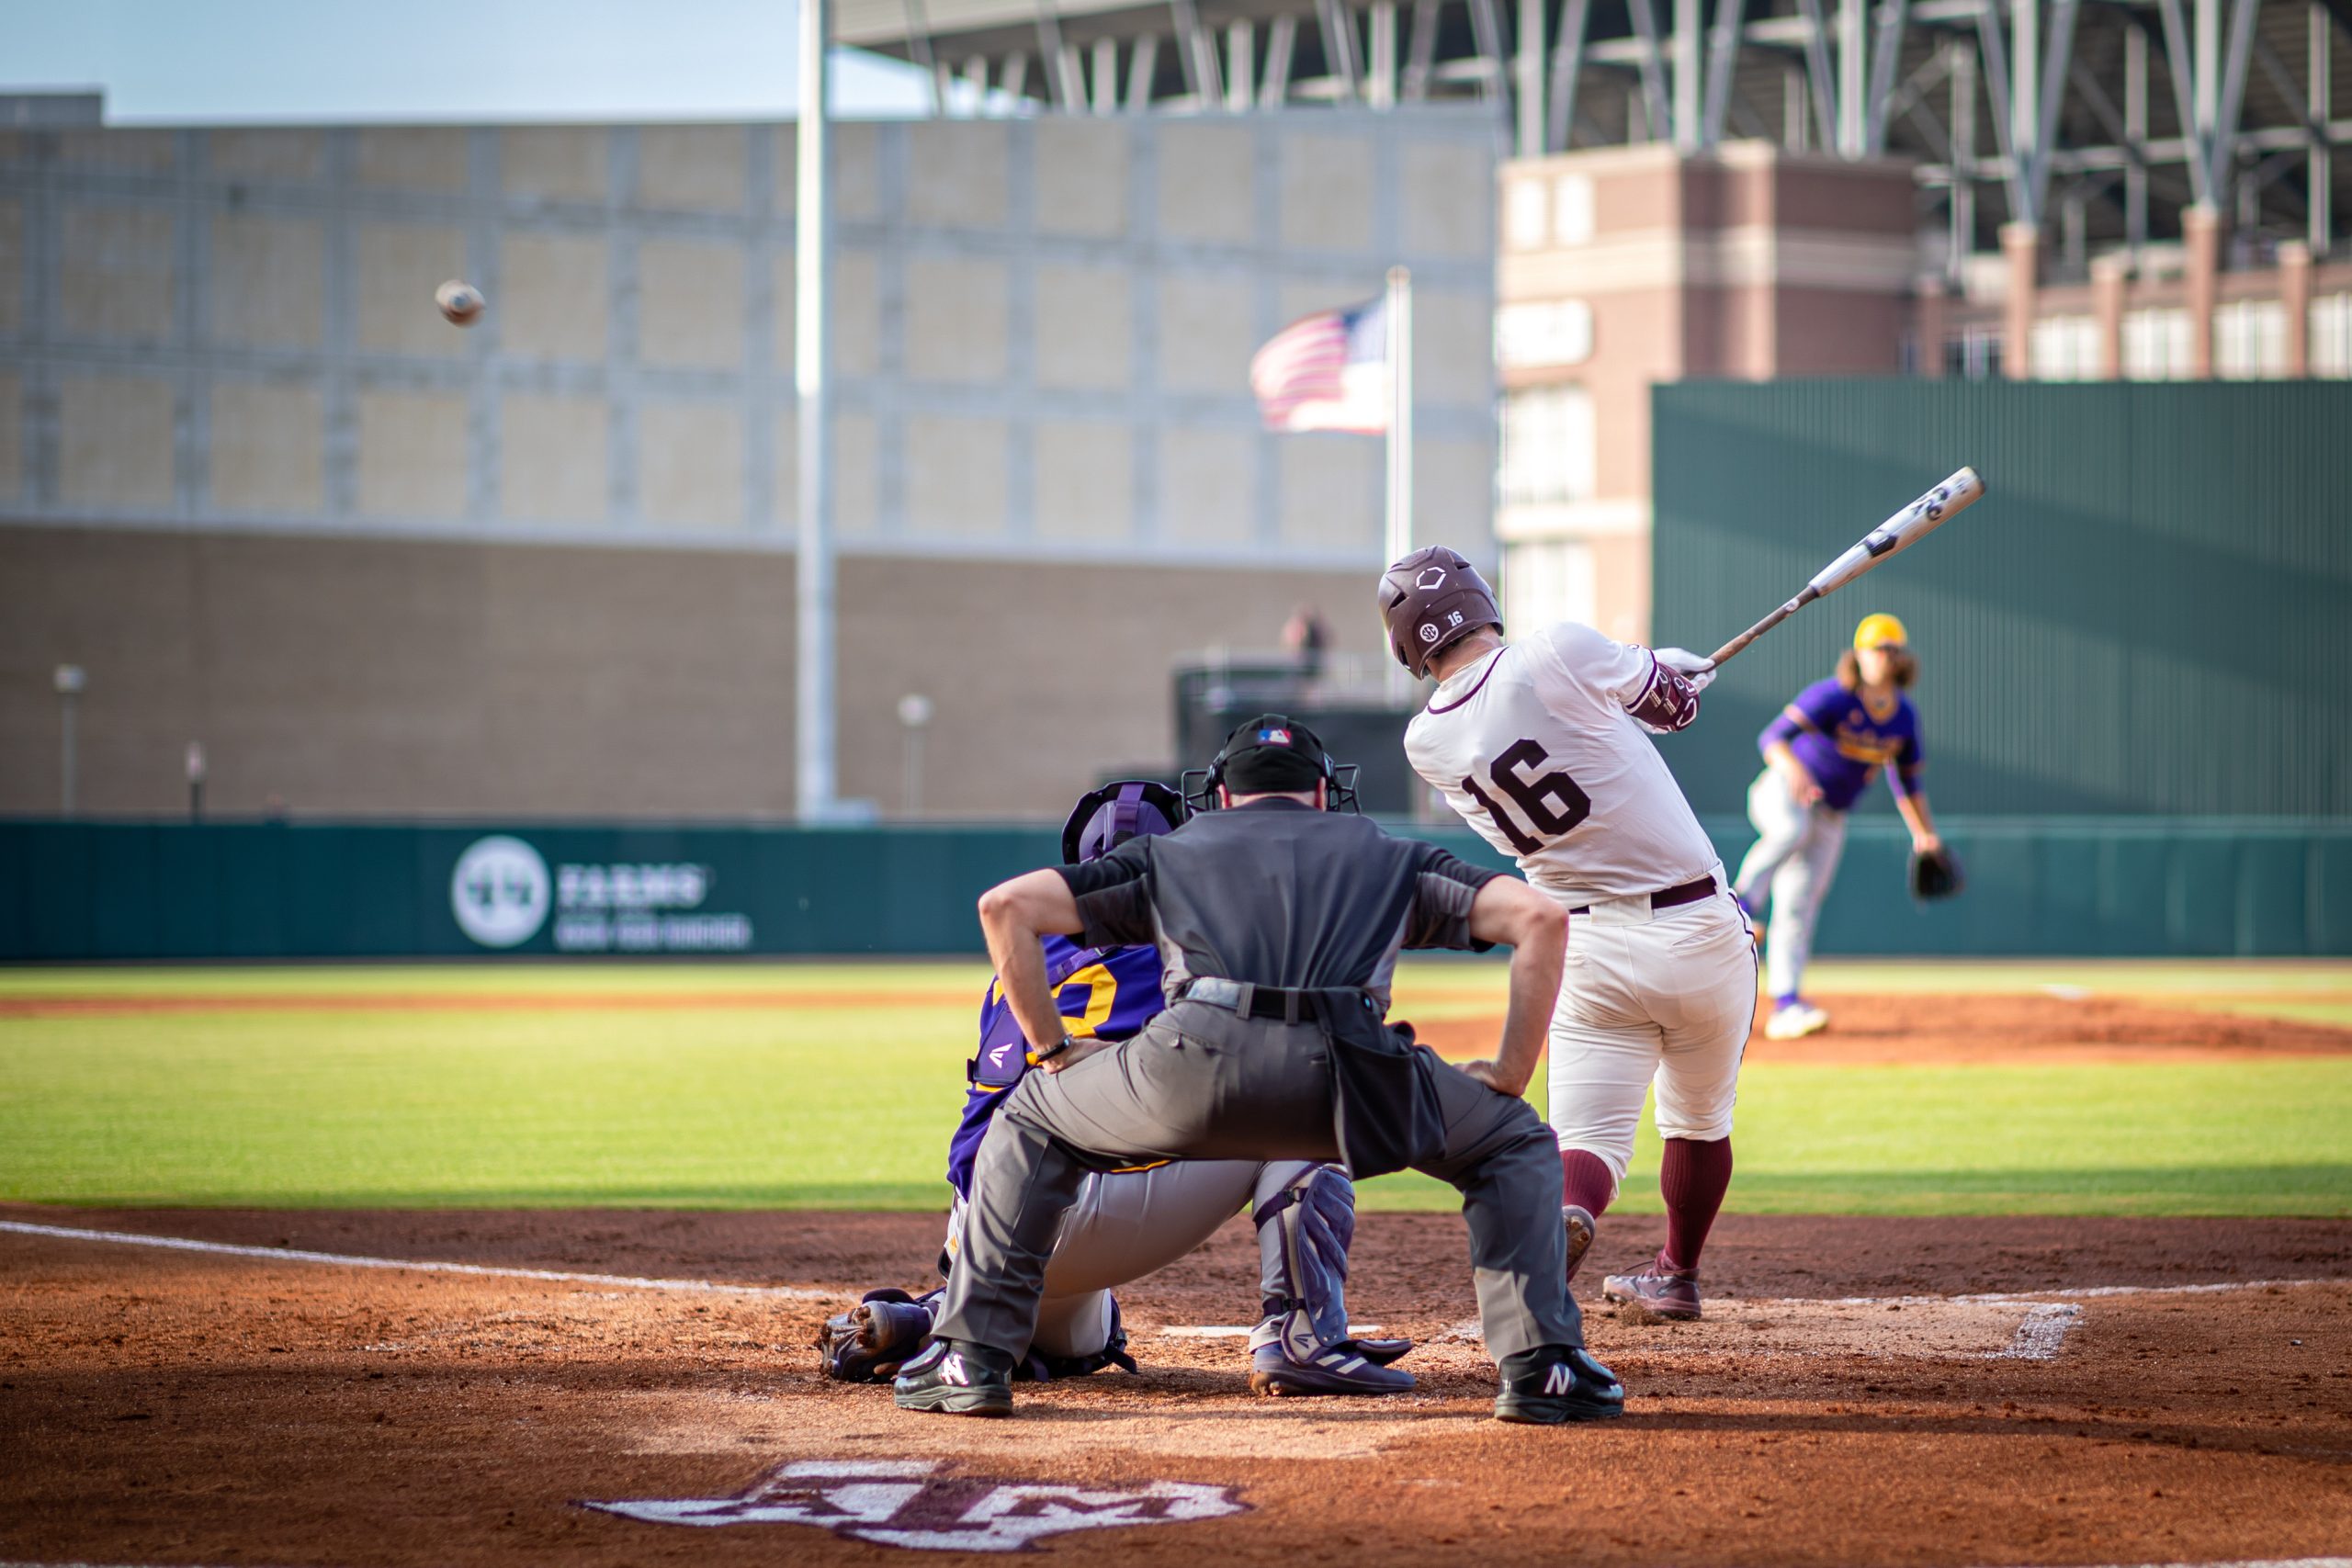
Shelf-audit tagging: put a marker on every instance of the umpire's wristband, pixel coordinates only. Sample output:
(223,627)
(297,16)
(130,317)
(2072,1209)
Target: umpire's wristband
(1039,1058)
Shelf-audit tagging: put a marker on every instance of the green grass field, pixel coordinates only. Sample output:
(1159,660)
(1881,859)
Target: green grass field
(833,1085)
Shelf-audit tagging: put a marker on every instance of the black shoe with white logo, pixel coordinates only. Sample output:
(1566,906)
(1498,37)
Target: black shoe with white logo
(1553,1383)
(956,1377)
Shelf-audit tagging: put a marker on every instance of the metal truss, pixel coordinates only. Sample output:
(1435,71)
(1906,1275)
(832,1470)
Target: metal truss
(2096,121)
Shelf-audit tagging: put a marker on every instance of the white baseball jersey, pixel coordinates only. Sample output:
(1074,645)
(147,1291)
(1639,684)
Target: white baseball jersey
(1533,746)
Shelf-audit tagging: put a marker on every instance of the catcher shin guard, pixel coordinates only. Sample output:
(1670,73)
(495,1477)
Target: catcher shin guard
(1307,1220)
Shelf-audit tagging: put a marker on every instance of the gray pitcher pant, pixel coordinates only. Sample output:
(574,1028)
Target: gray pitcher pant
(1201,1083)
(1795,854)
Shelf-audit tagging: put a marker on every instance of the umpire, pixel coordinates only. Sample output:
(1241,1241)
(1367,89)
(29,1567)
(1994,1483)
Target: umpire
(1279,921)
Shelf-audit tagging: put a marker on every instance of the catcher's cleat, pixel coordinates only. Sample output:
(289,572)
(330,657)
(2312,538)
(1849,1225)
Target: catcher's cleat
(1577,1221)
(1553,1383)
(1664,1291)
(956,1377)
(1794,1021)
(1381,1352)
(1343,1368)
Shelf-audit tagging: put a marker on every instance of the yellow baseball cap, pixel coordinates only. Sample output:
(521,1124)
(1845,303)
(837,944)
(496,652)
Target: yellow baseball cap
(1877,631)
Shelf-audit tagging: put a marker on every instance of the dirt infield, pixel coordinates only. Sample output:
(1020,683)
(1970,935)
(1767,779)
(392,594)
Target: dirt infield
(1931,1029)
(171,1407)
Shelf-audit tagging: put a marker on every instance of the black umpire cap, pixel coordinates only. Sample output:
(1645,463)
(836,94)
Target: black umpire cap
(1271,754)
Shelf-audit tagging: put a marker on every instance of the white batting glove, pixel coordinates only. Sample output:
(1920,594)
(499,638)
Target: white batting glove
(1692,667)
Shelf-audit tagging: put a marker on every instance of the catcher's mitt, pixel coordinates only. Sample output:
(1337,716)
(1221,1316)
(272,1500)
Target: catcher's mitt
(1936,874)
(868,1343)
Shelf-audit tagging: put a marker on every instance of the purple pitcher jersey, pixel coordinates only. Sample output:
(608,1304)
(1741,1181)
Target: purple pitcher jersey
(1104,993)
(1843,744)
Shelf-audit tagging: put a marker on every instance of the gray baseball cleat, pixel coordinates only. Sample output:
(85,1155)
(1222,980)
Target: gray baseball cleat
(1344,1368)
(1577,1221)
(1664,1290)
(1555,1383)
(955,1377)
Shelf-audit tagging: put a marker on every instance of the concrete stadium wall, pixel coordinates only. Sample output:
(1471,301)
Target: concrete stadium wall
(1044,328)
(71,892)
(381,677)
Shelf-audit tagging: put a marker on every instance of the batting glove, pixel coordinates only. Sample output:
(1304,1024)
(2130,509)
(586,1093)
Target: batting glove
(1692,667)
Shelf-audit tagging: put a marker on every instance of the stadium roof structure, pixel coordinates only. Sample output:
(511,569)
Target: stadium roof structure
(2100,121)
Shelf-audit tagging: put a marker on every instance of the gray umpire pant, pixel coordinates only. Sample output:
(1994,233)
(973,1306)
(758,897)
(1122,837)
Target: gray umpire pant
(1204,1083)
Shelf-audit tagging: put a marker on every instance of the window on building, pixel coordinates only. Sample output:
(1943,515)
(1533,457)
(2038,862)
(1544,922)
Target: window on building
(1548,445)
(2250,341)
(2065,348)
(1526,215)
(1548,581)
(1539,332)
(2155,345)
(1571,209)
(2332,336)
(1974,354)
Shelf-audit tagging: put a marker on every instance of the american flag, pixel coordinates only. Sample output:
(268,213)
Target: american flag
(1327,371)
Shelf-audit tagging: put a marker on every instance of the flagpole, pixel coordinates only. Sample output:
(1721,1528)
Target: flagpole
(1401,433)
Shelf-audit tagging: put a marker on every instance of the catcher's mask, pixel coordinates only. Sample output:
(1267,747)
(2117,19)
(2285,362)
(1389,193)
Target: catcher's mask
(1271,755)
(1125,808)
(1431,599)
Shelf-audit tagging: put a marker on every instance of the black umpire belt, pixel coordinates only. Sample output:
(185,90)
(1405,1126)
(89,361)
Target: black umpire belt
(1267,1002)
(1667,898)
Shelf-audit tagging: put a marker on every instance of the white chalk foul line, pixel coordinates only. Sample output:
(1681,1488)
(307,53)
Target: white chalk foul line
(2039,1336)
(421,1266)
(2041,1333)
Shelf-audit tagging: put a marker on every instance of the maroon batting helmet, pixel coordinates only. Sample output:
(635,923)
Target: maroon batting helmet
(1431,600)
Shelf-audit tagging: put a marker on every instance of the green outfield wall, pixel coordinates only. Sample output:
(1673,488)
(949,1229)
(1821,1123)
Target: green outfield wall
(85,891)
(2150,612)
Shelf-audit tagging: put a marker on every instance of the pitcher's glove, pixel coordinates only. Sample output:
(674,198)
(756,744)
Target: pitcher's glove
(1936,874)
(867,1343)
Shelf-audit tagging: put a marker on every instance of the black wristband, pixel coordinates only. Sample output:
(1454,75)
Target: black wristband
(1039,1058)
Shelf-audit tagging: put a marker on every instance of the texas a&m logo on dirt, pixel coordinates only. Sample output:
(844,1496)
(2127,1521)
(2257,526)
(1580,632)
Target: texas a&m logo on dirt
(911,1503)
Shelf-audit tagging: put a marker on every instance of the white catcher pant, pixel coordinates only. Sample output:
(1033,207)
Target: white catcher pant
(1126,1225)
(1796,851)
(1664,999)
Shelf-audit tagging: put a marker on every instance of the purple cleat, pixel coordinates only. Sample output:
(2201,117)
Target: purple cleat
(1664,1290)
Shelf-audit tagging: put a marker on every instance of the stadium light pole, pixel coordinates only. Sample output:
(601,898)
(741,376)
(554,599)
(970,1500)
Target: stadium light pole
(812,365)
(70,682)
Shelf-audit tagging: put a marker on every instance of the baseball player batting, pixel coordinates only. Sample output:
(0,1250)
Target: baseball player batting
(1539,744)
(1127,1223)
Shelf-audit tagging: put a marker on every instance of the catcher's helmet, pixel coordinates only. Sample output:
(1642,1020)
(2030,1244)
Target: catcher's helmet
(1271,754)
(1125,808)
(1432,598)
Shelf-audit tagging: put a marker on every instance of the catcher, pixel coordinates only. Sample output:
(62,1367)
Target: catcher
(1819,755)
(1127,1223)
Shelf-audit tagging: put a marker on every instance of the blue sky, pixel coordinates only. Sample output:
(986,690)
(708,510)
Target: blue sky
(199,61)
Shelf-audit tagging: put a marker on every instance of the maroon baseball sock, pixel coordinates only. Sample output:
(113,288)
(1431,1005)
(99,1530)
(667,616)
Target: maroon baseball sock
(1586,1181)
(1693,1177)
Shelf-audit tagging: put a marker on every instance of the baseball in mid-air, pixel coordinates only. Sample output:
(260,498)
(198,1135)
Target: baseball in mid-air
(460,301)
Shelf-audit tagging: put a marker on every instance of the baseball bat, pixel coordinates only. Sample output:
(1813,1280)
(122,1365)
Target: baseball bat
(1890,538)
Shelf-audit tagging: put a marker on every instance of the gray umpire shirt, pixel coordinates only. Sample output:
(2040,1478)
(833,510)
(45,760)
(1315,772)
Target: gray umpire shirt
(1276,893)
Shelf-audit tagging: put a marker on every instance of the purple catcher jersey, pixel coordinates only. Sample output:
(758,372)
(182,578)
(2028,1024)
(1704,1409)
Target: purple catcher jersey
(1104,993)
(1843,744)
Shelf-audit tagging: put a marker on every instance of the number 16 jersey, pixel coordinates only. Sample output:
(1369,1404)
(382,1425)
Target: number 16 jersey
(1532,745)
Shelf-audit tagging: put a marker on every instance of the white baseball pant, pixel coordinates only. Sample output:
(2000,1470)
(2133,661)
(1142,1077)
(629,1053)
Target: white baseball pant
(1662,998)
(1796,852)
